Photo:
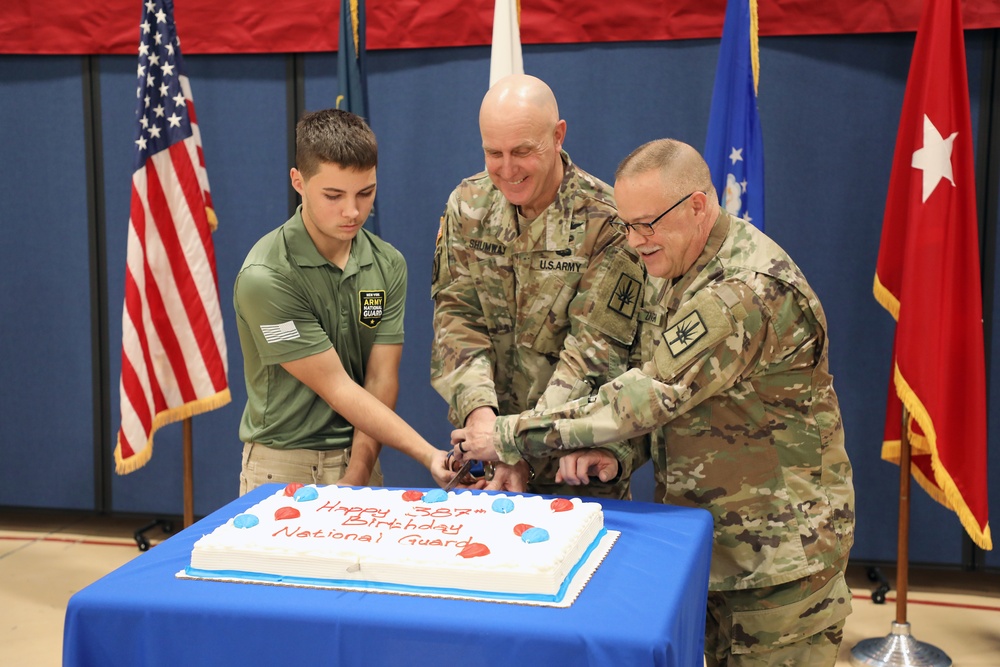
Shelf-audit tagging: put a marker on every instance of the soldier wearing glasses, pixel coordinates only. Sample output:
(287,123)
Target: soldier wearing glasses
(737,402)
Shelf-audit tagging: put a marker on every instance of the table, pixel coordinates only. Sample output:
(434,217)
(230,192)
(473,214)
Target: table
(645,605)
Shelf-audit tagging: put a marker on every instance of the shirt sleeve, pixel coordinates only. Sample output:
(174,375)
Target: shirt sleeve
(278,316)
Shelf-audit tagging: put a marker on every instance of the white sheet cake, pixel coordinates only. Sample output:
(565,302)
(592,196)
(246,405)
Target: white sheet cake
(507,547)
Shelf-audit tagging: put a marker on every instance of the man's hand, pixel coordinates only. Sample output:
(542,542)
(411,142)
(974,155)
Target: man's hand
(476,445)
(475,441)
(579,466)
(509,478)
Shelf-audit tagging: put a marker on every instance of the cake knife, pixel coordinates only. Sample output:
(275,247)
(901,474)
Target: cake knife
(462,472)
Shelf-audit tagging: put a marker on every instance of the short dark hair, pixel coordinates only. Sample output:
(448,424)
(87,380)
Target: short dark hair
(335,136)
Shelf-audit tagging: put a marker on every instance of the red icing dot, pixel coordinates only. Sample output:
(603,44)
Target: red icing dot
(521,527)
(473,550)
(292,488)
(286,513)
(410,496)
(561,505)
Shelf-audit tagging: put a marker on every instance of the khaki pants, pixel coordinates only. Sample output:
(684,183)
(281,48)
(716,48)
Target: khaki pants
(795,624)
(263,465)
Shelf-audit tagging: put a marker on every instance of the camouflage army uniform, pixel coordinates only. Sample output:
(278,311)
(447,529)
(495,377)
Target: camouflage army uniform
(510,298)
(738,401)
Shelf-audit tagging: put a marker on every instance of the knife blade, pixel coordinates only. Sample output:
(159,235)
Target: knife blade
(462,472)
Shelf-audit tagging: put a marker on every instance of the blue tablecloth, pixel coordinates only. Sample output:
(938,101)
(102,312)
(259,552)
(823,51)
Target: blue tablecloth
(645,605)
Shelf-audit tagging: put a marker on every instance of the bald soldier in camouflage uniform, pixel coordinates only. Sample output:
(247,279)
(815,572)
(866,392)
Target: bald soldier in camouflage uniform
(526,269)
(738,401)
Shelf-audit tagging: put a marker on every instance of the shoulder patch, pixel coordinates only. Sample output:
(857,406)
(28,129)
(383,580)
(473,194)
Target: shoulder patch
(618,296)
(699,325)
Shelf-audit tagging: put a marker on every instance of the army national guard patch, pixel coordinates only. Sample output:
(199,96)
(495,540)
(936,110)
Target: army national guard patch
(701,324)
(685,333)
(371,306)
(625,297)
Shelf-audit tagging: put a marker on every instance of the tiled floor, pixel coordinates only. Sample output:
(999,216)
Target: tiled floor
(46,557)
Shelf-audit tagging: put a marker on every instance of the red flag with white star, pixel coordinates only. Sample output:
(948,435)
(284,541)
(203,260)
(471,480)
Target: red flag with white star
(928,278)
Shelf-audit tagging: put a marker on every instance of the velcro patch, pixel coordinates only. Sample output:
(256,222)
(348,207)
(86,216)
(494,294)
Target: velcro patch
(625,298)
(617,296)
(700,324)
(371,305)
(685,333)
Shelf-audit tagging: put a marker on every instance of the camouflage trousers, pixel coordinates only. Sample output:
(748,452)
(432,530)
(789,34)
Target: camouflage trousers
(790,625)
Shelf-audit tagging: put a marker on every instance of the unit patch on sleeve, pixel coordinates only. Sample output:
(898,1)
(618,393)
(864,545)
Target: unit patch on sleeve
(625,297)
(371,306)
(685,333)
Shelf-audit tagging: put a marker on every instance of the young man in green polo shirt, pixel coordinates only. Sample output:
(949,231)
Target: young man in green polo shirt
(319,309)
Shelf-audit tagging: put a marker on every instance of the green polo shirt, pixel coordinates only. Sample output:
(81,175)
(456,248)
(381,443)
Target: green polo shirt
(291,303)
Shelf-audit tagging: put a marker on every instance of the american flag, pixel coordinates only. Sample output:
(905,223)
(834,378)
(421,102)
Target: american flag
(173,347)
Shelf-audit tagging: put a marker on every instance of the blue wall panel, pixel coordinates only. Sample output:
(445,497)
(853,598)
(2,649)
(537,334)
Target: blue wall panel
(46,404)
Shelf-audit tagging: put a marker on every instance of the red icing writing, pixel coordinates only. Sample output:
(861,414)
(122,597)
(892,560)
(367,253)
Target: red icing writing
(424,510)
(348,510)
(299,531)
(420,540)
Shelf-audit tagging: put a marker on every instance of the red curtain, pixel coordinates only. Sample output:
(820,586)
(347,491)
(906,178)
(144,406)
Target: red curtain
(265,26)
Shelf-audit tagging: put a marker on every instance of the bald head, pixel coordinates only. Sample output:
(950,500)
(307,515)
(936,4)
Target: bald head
(520,96)
(522,142)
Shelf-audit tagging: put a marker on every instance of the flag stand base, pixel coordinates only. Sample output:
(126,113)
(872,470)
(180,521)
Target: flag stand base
(898,649)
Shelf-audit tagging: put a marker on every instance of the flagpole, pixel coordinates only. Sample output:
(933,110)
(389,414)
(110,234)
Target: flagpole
(899,648)
(188,474)
(903,540)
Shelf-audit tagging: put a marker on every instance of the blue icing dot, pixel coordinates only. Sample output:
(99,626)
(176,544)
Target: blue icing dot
(503,505)
(306,493)
(435,496)
(245,521)
(533,535)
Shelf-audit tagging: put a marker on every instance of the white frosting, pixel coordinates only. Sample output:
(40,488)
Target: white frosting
(374,535)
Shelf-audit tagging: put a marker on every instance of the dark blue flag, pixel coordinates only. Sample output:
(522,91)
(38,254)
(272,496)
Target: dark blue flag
(734,148)
(352,74)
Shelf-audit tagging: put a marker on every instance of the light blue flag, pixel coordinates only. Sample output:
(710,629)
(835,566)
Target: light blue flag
(352,74)
(734,148)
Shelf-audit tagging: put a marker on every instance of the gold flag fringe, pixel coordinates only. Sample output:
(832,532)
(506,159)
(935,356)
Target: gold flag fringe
(141,458)
(942,488)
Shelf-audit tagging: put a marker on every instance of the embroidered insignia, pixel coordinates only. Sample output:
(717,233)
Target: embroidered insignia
(685,333)
(625,297)
(489,248)
(371,305)
(275,333)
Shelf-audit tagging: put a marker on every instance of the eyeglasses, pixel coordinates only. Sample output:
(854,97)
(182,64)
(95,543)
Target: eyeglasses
(646,228)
